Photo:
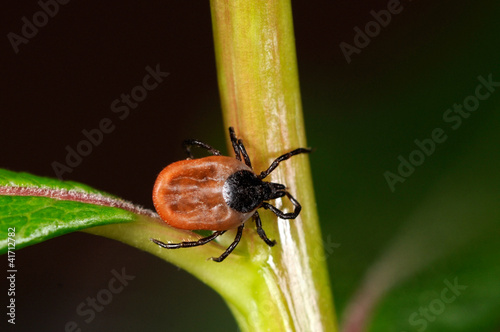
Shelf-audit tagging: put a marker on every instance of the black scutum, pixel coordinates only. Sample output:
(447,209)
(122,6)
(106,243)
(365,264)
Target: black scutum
(244,191)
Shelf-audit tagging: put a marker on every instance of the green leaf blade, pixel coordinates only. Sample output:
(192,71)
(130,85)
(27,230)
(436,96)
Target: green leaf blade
(36,208)
(37,219)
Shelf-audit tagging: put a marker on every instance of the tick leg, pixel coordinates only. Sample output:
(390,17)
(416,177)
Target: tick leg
(284,157)
(281,214)
(188,244)
(239,148)
(234,142)
(187,144)
(232,246)
(260,230)
(244,153)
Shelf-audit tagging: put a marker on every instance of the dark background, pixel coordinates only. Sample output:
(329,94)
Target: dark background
(359,116)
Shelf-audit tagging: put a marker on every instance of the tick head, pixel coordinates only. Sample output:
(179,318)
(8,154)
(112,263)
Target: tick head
(244,192)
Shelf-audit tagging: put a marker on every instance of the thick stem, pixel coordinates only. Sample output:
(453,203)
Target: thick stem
(258,81)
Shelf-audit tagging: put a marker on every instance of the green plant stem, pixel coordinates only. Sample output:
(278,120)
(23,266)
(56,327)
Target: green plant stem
(258,81)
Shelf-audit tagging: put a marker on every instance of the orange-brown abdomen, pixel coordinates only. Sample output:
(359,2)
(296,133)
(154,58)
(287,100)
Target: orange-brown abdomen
(188,194)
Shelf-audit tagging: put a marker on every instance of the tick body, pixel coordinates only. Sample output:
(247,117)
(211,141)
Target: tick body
(189,194)
(217,193)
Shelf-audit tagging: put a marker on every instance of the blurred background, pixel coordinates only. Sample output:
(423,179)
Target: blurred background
(364,108)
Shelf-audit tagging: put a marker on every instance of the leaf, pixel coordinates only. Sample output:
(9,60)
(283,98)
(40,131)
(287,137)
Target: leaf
(459,293)
(41,208)
(446,234)
(38,208)
(450,251)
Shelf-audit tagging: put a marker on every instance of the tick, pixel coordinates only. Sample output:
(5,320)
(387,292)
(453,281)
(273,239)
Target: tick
(218,193)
